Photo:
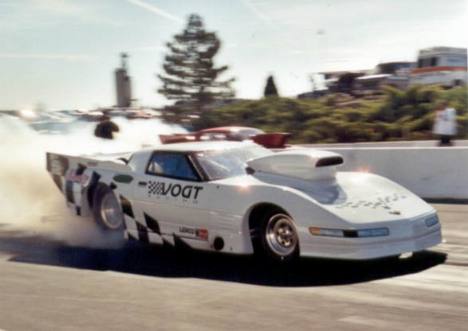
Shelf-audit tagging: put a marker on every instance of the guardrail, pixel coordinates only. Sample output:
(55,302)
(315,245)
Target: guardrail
(430,172)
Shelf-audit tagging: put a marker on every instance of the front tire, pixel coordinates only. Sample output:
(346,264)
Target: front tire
(279,237)
(106,209)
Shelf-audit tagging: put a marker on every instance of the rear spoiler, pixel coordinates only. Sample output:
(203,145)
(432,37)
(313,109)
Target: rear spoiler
(272,140)
(268,140)
(176,138)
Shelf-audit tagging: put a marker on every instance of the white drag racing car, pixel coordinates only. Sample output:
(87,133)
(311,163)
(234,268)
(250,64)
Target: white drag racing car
(238,197)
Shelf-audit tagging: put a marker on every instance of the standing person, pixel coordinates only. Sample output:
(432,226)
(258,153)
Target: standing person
(445,124)
(451,118)
(106,128)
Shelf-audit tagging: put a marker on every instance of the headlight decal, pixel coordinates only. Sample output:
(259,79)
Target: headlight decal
(378,232)
(362,233)
(326,232)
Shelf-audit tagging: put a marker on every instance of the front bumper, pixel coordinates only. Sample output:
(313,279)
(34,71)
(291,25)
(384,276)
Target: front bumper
(359,249)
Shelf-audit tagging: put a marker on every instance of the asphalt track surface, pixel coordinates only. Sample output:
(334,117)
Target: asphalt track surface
(46,285)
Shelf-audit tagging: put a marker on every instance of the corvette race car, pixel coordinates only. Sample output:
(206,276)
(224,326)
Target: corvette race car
(239,197)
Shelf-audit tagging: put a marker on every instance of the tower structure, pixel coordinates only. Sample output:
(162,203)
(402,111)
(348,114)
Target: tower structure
(123,85)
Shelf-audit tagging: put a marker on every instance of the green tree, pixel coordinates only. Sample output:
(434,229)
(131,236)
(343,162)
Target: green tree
(190,76)
(270,88)
(396,115)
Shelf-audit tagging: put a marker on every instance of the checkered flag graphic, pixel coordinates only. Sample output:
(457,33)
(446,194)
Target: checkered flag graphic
(155,188)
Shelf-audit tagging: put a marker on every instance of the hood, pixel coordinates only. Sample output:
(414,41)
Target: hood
(306,164)
(364,198)
(360,198)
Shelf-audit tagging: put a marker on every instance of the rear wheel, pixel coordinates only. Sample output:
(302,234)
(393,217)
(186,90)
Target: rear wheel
(279,237)
(106,209)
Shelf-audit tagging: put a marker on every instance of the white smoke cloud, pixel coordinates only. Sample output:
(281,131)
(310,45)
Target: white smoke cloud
(29,200)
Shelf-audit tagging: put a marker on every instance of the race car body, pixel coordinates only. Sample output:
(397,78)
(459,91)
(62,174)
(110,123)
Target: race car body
(230,133)
(238,197)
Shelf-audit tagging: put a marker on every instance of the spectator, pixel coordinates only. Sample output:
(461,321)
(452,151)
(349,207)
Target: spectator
(445,124)
(106,128)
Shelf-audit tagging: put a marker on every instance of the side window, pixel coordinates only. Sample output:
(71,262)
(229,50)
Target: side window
(174,165)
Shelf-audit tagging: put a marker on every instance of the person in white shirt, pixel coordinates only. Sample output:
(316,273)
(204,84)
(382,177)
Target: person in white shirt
(445,124)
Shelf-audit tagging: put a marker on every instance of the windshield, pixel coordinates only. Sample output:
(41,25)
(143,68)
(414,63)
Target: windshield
(229,163)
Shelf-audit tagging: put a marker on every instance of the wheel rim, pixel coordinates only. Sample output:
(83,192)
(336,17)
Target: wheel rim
(281,235)
(110,211)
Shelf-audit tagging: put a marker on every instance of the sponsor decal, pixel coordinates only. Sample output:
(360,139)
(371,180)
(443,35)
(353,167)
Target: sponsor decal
(174,190)
(201,234)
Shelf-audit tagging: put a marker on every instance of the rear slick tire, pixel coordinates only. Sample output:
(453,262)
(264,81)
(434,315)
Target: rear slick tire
(106,209)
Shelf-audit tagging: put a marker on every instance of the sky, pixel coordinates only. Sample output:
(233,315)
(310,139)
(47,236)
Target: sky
(62,53)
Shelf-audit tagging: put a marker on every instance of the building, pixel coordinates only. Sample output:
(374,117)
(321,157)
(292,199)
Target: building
(315,94)
(342,81)
(446,66)
(123,84)
(368,84)
(371,81)
(394,74)
(395,68)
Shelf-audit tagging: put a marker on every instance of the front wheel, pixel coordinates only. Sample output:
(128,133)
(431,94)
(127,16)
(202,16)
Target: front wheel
(106,209)
(279,237)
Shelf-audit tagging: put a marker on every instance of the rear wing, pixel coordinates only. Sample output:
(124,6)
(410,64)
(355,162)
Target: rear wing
(272,140)
(177,138)
(268,140)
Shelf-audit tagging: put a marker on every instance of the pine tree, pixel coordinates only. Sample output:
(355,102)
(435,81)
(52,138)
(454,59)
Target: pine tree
(191,77)
(270,88)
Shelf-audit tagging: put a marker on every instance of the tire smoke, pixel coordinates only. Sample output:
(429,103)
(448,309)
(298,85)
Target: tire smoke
(30,202)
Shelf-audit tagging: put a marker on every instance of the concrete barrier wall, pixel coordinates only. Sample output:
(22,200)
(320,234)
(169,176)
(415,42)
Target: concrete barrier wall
(430,172)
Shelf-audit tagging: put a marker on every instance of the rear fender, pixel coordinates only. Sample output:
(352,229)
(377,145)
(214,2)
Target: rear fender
(76,177)
(68,174)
